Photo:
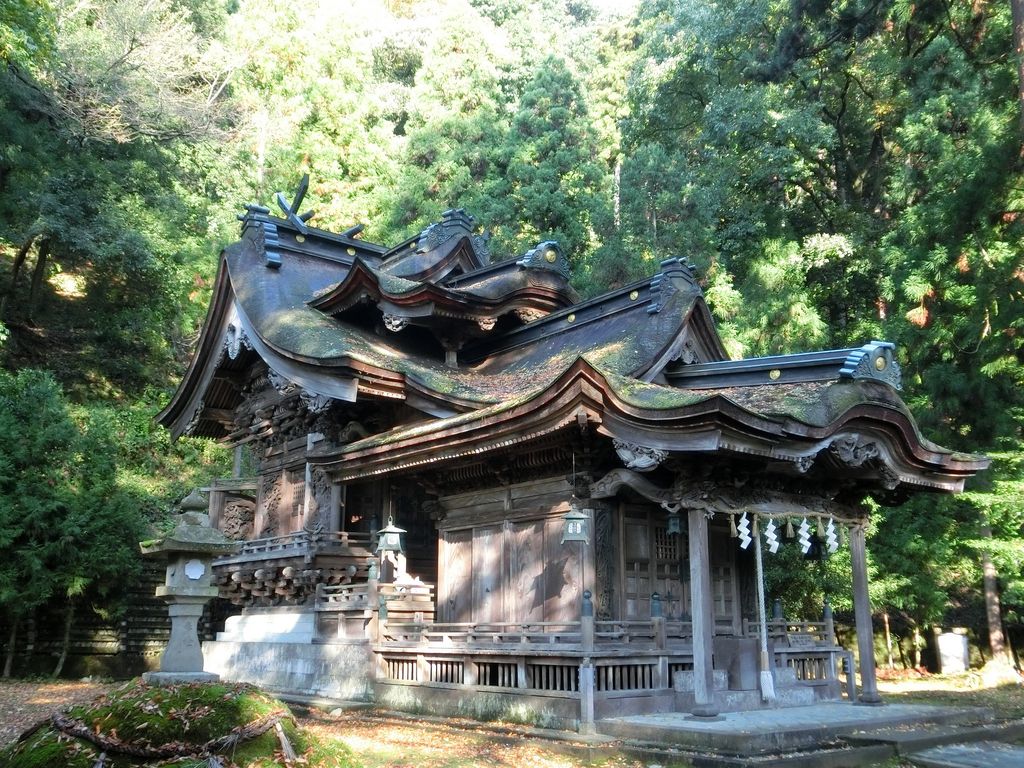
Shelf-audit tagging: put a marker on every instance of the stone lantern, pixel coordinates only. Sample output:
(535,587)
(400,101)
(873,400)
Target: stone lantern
(189,550)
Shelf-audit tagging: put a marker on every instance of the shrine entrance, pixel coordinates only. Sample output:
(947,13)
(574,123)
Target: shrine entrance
(655,561)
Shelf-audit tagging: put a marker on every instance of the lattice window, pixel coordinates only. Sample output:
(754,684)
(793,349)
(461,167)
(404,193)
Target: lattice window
(296,480)
(497,673)
(400,669)
(625,677)
(553,677)
(445,671)
(665,547)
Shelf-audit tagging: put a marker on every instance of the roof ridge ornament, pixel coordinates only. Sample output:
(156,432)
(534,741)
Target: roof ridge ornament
(266,241)
(874,360)
(664,284)
(547,255)
(455,222)
(291,212)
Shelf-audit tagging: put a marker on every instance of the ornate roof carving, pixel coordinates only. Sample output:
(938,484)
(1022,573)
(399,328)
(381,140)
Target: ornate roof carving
(547,255)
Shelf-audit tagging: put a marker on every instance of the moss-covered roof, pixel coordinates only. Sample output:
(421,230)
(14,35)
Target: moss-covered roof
(617,342)
(274,302)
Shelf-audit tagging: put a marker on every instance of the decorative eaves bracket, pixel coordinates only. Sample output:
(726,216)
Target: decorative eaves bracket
(639,457)
(711,497)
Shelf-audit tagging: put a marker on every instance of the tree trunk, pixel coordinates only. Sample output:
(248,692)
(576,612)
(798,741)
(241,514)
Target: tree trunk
(996,638)
(618,189)
(888,640)
(1017,11)
(42,254)
(69,617)
(19,262)
(11,640)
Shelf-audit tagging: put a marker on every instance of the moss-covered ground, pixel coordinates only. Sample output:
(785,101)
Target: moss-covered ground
(188,717)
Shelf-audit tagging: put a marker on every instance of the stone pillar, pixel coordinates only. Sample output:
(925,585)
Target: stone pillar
(862,614)
(703,616)
(183,655)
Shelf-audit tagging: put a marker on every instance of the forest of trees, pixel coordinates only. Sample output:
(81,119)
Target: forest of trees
(836,170)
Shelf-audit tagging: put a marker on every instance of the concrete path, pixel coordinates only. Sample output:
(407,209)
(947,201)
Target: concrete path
(775,730)
(982,754)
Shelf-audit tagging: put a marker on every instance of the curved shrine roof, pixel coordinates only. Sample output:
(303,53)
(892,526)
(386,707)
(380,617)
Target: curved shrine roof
(644,363)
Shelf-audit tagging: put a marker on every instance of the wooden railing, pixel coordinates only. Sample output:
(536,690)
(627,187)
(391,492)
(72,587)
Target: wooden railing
(783,631)
(321,542)
(483,634)
(304,543)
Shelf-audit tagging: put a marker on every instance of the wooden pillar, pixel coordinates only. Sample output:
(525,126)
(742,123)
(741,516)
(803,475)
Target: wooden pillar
(217,501)
(862,615)
(334,520)
(703,617)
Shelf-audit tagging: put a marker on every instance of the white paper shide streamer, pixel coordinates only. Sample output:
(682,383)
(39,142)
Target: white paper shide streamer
(771,535)
(831,539)
(743,529)
(804,534)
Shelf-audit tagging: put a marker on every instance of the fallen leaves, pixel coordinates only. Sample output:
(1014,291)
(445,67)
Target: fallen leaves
(24,703)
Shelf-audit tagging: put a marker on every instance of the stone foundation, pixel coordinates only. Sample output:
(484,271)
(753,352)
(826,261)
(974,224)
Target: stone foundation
(270,625)
(340,670)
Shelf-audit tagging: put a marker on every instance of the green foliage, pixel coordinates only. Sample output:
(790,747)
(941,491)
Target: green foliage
(554,183)
(26,31)
(836,172)
(78,488)
(66,529)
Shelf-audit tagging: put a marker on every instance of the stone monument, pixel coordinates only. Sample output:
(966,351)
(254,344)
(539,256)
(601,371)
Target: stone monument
(189,550)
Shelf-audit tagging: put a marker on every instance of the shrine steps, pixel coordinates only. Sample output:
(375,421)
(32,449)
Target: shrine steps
(789,692)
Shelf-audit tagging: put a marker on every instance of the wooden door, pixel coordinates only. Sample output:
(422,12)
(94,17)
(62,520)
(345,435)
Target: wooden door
(562,576)
(652,561)
(528,591)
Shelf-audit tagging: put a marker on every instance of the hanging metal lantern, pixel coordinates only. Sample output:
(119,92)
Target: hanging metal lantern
(675,524)
(576,523)
(389,538)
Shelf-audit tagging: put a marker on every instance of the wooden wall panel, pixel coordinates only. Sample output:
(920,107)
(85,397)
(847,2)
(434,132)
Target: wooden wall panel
(488,575)
(527,571)
(455,584)
(562,574)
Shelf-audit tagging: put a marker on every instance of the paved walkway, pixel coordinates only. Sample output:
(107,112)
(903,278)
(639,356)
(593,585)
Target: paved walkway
(982,754)
(774,730)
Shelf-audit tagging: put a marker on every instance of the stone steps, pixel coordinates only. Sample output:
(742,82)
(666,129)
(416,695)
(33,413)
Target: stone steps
(981,754)
(925,737)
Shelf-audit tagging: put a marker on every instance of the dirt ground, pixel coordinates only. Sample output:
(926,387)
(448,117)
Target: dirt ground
(378,742)
(24,703)
(381,741)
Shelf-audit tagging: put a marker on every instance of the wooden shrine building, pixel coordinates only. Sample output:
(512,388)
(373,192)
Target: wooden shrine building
(568,476)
